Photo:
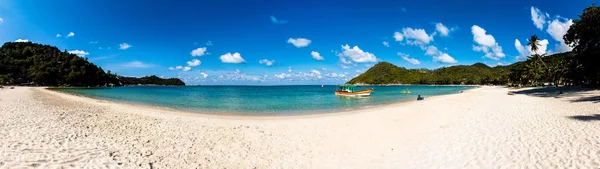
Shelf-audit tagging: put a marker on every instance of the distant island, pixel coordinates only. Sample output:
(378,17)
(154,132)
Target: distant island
(27,63)
(528,72)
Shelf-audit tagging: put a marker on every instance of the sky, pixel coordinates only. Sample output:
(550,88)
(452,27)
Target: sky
(279,42)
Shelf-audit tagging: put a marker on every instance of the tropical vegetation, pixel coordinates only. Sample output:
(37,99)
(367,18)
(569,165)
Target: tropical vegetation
(581,66)
(36,64)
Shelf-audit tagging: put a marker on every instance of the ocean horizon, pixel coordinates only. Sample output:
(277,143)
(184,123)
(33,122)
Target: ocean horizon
(260,100)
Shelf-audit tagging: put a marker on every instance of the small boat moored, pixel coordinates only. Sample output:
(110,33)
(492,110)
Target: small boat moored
(349,90)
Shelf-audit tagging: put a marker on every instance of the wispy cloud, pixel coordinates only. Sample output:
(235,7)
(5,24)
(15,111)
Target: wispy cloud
(137,64)
(266,62)
(79,53)
(209,43)
(275,21)
(93,42)
(22,40)
(406,58)
(538,17)
(1,20)
(99,58)
(58,35)
(71,34)
(124,46)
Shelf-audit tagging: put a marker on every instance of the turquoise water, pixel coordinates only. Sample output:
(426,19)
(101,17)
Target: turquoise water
(259,99)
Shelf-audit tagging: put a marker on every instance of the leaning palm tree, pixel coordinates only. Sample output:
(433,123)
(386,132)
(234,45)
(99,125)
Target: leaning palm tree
(533,43)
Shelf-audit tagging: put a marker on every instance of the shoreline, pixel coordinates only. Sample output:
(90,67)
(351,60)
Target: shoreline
(479,128)
(311,113)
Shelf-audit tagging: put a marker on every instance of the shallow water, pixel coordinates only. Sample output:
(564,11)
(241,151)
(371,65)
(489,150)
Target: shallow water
(256,100)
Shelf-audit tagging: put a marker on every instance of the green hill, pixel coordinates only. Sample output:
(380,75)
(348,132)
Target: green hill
(31,63)
(387,73)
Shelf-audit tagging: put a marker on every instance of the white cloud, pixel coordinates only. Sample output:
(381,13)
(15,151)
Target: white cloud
(413,36)
(412,61)
(316,55)
(439,56)
(538,17)
(79,53)
(282,75)
(290,69)
(266,62)
(22,40)
(237,71)
(386,44)
(124,46)
(398,36)
(316,72)
(1,20)
(486,43)
(525,51)
(232,58)
(275,21)
(58,35)
(176,68)
(209,43)
(355,54)
(198,51)
(186,68)
(193,62)
(299,42)
(445,58)
(431,50)
(557,29)
(204,75)
(443,30)
(137,64)
(71,34)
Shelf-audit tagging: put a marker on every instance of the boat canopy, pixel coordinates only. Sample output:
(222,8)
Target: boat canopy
(347,88)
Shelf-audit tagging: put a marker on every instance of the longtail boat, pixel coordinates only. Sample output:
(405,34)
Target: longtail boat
(349,90)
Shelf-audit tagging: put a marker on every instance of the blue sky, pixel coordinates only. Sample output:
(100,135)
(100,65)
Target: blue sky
(276,42)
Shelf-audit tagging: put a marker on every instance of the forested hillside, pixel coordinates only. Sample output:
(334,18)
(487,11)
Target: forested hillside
(387,73)
(525,72)
(37,64)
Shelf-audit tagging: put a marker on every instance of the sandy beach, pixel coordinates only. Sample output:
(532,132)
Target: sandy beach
(480,128)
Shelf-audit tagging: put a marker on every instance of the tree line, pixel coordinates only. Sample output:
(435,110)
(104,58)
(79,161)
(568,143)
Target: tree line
(36,64)
(581,66)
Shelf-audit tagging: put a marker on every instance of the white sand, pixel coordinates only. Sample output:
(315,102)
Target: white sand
(481,128)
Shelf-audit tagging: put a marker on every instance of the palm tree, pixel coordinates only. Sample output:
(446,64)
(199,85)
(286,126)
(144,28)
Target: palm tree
(533,43)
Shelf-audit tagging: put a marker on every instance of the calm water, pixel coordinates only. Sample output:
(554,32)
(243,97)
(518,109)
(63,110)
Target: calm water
(259,99)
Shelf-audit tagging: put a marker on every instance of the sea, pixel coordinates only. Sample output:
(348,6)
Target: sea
(260,100)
